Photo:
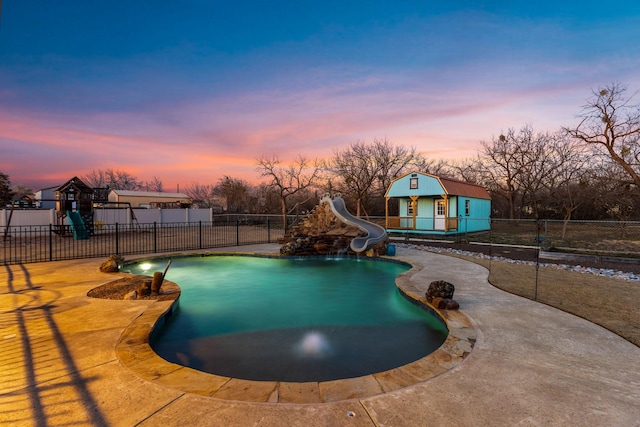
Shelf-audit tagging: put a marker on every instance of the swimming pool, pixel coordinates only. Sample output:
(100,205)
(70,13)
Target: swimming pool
(292,319)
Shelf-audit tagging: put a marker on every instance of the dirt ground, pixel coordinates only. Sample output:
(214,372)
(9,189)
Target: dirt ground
(607,301)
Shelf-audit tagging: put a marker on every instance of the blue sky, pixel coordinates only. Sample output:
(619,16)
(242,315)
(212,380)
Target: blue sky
(195,90)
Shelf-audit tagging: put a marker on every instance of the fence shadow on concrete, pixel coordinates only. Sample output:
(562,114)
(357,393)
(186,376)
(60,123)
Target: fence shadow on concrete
(40,383)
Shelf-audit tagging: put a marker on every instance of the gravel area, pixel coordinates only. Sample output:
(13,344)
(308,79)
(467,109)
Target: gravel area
(625,269)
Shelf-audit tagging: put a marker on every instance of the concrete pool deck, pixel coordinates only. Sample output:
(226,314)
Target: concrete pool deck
(531,364)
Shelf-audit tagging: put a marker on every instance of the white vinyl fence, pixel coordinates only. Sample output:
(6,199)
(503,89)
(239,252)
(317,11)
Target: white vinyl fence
(32,217)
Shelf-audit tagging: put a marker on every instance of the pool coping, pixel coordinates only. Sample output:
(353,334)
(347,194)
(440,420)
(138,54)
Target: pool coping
(135,353)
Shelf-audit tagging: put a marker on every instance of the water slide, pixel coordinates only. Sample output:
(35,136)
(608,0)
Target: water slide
(375,232)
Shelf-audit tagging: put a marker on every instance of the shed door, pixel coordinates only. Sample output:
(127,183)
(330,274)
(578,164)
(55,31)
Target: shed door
(439,214)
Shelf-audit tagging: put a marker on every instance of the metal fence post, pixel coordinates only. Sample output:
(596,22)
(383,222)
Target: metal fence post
(199,234)
(155,237)
(268,230)
(237,232)
(546,233)
(491,224)
(538,244)
(117,241)
(466,229)
(50,242)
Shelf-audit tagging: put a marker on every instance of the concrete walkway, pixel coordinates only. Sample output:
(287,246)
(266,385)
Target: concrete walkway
(531,364)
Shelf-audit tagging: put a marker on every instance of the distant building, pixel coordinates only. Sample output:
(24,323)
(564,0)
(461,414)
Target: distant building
(150,199)
(27,201)
(424,203)
(45,198)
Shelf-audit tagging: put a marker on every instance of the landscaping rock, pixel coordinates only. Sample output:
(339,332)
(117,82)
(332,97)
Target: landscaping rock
(321,248)
(452,305)
(131,295)
(111,265)
(288,249)
(445,303)
(441,289)
(320,233)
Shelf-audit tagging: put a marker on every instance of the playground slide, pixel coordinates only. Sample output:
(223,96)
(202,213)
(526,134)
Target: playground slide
(375,232)
(77,226)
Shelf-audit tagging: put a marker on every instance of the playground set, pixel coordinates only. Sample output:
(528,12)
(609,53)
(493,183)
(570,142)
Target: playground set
(75,203)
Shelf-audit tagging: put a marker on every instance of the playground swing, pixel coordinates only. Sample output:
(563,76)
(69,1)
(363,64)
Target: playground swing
(113,213)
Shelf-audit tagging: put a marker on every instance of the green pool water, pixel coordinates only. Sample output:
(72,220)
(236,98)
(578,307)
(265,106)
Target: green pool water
(292,319)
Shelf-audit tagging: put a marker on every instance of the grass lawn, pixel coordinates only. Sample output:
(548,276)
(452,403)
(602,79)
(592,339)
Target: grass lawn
(579,236)
(611,303)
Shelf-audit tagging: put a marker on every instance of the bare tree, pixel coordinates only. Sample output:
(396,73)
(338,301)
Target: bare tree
(114,179)
(21,190)
(531,159)
(6,193)
(154,185)
(469,169)
(236,192)
(615,200)
(566,177)
(610,122)
(288,180)
(527,168)
(265,199)
(96,179)
(363,170)
(546,161)
(500,167)
(438,167)
(395,160)
(201,195)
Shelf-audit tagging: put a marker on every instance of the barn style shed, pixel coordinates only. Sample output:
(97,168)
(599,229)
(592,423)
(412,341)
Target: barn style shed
(150,199)
(425,203)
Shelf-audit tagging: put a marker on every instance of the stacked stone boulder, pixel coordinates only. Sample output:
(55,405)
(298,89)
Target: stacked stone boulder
(320,233)
(440,295)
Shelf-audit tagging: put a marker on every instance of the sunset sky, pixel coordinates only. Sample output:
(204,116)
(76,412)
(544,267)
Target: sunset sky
(193,90)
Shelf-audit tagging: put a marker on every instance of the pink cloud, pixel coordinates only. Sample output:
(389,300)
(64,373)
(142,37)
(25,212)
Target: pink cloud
(196,140)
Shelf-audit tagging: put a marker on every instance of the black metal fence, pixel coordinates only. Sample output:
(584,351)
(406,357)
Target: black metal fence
(27,244)
(588,268)
(543,260)
(616,237)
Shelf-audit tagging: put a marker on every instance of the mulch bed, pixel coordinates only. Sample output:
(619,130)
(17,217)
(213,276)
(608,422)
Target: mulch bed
(119,288)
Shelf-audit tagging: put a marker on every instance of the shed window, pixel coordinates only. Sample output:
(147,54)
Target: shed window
(410,208)
(467,207)
(413,183)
